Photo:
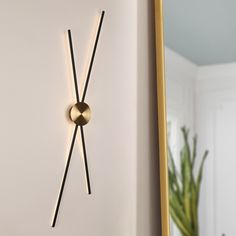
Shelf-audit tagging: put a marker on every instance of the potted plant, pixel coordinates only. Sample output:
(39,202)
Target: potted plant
(184,187)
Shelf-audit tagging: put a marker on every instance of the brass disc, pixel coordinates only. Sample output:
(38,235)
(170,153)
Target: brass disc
(80,113)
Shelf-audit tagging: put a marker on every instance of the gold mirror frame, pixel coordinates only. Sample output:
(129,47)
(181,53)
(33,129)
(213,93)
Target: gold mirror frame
(161,111)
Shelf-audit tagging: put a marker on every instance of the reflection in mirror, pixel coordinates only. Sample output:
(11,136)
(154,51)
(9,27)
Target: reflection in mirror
(200,54)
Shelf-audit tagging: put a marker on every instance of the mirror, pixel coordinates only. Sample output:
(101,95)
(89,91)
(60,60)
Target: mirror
(200,75)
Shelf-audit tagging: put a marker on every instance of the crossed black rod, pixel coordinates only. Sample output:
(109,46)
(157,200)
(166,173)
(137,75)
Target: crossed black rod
(64,176)
(93,56)
(73,65)
(85,159)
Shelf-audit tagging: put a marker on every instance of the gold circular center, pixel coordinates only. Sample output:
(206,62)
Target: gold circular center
(80,113)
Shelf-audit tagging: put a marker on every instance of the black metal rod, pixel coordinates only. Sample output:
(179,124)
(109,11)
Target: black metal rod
(64,176)
(93,55)
(85,159)
(73,65)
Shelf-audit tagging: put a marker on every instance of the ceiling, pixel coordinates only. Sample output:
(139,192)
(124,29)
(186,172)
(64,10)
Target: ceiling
(203,31)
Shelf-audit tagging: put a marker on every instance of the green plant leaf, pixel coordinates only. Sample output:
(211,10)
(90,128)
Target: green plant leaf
(194,155)
(179,223)
(199,178)
(173,175)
